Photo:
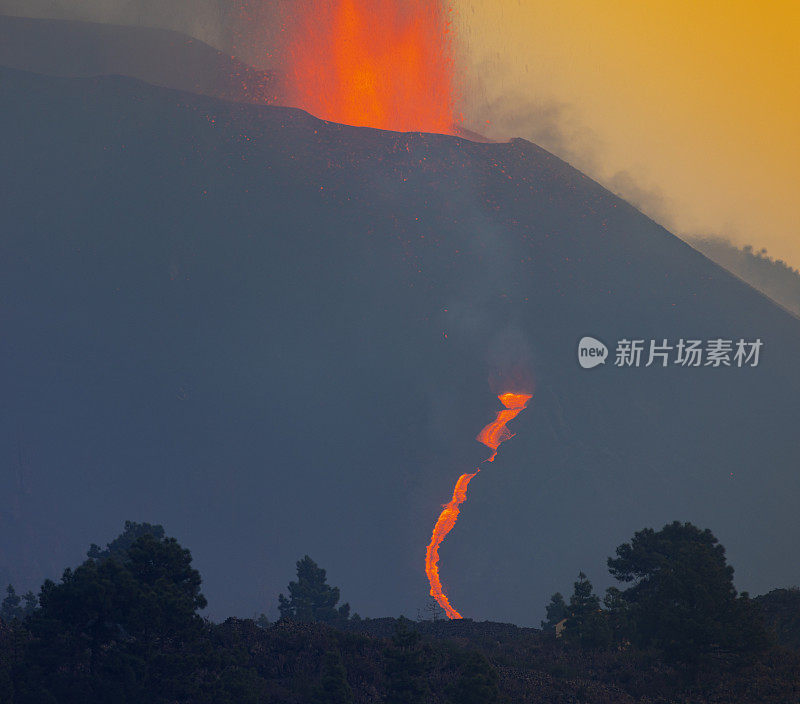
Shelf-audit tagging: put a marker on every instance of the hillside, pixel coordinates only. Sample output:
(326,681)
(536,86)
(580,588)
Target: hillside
(161,57)
(774,277)
(216,313)
(286,662)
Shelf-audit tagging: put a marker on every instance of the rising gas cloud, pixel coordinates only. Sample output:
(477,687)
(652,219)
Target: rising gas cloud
(493,435)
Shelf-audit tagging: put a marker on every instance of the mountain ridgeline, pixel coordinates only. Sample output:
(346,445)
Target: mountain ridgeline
(281,335)
(774,277)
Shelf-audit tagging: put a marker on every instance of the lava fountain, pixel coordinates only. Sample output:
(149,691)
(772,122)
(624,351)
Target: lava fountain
(374,63)
(493,435)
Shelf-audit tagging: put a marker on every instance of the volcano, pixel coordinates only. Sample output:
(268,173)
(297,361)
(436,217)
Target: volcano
(278,336)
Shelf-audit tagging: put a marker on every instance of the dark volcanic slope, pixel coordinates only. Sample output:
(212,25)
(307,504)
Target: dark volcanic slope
(274,335)
(158,56)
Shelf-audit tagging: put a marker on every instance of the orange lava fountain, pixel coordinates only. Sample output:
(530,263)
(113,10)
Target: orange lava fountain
(493,435)
(374,63)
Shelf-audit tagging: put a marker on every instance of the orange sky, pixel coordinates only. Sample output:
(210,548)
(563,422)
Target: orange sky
(697,99)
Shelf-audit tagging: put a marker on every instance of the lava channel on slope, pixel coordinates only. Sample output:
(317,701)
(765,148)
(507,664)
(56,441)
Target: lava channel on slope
(493,435)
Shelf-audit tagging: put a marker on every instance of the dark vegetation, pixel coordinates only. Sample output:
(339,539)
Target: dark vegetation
(124,627)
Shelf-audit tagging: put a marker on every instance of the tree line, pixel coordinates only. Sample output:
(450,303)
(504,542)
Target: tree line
(681,599)
(124,626)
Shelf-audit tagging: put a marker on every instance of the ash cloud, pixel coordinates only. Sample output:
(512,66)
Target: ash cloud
(551,124)
(558,127)
(649,199)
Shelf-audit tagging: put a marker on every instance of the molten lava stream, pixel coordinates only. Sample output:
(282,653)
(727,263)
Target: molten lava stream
(493,435)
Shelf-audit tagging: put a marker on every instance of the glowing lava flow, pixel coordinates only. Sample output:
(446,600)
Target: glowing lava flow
(374,63)
(496,433)
(493,435)
(447,519)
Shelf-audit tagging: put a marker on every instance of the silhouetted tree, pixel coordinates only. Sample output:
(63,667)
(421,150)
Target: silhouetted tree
(556,612)
(616,611)
(153,593)
(31,602)
(15,606)
(10,607)
(477,683)
(120,545)
(682,597)
(120,628)
(406,665)
(333,687)
(586,623)
(431,611)
(583,601)
(310,597)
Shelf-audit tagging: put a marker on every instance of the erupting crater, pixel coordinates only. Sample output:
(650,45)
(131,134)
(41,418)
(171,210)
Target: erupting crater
(493,435)
(386,64)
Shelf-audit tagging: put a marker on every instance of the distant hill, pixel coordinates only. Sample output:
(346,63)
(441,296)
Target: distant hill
(773,277)
(158,56)
(79,49)
(280,336)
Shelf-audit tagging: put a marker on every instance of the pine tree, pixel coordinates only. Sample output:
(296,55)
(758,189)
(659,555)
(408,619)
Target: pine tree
(586,623)
(405,665)
(682,597)
(310,597)
(477,683)
(333,687)
(118,548)
(556,612)
(10,608)
(583,602)
(152,597)
(31,602)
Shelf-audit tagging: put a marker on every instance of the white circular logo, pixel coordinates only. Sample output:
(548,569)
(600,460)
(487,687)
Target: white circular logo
(591,352)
